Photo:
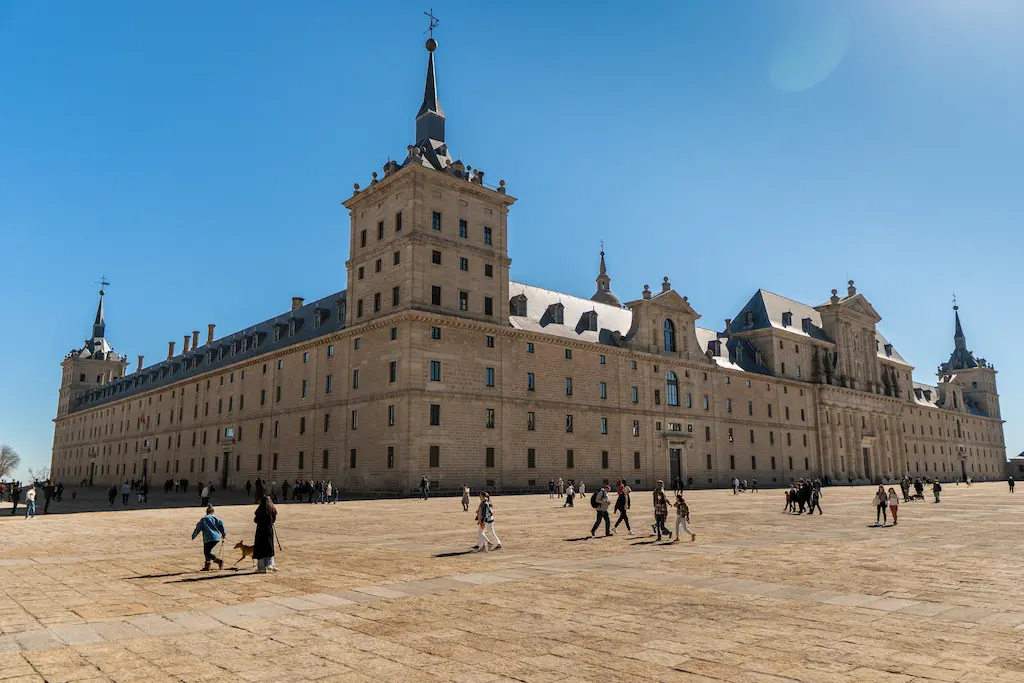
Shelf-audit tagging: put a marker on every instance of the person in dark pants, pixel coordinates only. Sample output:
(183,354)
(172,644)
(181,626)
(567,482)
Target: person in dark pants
(1010,482)
(126,490)
(622,506)
(48,496)
(424,488)
(660,510)
(15,497)
(212,529)
(815,502)
(602,501)
(112,494)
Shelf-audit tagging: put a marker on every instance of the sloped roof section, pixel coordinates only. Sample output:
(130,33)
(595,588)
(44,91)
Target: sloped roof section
(613,322)
(765,310)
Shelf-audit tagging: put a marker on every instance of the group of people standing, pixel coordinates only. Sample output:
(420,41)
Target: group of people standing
(13,491)
(804,495)
(315,491)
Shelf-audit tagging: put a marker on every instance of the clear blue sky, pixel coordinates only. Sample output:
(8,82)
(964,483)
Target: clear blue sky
(197,153)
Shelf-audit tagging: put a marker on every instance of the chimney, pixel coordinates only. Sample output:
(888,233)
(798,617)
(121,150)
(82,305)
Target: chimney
(728,328)
(209,333)
(296,302)
(139,369)
(665,285)
(184,344)
(195,339)
(170,350)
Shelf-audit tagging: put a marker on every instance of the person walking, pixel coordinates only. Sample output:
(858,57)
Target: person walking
(112,494)
(601,502)
(205,495)
(551,488)
(485,520)
(881,501)
(49,494)
(263,543)
(622,506)
(15,496)
(581,489)
(937,489)
(683,518)
(30,502)
(753,486)
(126,490)
(1010,482)
(894,504)
(465,497)
(660,510)
(212,529)
(814,502)
(259,490)
(424,488)
(570,495)
(248,488)
(735,486)
(561,487)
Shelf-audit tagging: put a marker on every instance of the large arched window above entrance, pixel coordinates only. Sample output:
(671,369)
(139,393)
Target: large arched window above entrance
(672,388)
(670,336)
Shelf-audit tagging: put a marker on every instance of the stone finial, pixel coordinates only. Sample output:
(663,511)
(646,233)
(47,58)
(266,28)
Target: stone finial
(851,290)
(647,292)
(835,296)
(374,176)
(665,284)
(355,188)
(501,186)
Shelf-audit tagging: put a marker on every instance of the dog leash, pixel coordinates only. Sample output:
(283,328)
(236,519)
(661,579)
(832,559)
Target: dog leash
(277,538)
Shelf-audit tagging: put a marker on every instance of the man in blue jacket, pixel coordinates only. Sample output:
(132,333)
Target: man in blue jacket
(213,531)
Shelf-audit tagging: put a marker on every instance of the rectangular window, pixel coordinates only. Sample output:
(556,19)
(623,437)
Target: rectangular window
(380,230)
(355,419)
(490,418)
(636,460)
(435,371)
(531,458)
(435,220)
(325,460)
(728,405)
(352,459)
(273,464)
(277,425)
(487,235)
(435,456)
(657,397)
(603,391)
(464,264)
(750,408)
(530,386)
(488,306)
(707,433)
(393,371)
(259,462)
(568,423)
(435,414)
(435,257)
(570,460)
(636,428)
(708,461)
(355,378)
(329,384)
(259,435)
(435,296)
(732,462)
(489,341)
(376,302)
(568,386)
(302,460)
(305,386)
(377,266)
(753,462)
(705,402)
(302,425)
(359,308)
(391,457)
(604,460)
(489,377)
(398,222)
(359,275)
(489,457)
(635,395)
(531,421)
(395,296)
(327,421)
(604,425)
(488,270)
(396,258)
(529,347)
(435,332)
(751,436)
(391,416)
(463,301)
(362,238)
(463,229)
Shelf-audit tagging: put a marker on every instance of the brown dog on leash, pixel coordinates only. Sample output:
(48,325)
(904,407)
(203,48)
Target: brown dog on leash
(246,551)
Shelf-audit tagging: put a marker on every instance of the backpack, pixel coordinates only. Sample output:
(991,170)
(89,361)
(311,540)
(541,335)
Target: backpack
(593,499)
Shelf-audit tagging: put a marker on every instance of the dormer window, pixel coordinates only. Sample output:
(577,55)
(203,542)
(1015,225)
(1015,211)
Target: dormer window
(787,319)
(888,349)
(341,310)
(220,353)
(748,318)
(245,344)
(234,348)
(555,314)
(589,321)
(208,357)
(277,333)
(517,306)
(316,320)
(715,347)
(291,328)
(806,324)
(255,340)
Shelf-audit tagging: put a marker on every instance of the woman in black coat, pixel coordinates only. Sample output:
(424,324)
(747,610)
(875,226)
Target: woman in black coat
(263,545)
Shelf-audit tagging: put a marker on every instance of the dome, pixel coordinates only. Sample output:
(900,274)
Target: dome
(605,296)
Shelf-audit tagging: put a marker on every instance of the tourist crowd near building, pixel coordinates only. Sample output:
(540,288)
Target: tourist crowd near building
(433,363)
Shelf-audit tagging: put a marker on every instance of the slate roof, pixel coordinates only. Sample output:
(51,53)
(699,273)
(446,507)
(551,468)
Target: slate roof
(206,357)
(613,322)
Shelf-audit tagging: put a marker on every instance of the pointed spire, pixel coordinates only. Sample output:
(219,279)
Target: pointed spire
(430,117)
(604,285)
(958,336)
(98,325)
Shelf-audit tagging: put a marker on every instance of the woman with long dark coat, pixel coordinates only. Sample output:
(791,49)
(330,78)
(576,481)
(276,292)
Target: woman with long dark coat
(263,545)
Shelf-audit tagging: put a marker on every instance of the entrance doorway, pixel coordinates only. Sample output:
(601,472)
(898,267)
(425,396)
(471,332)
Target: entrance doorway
(145,468)
(867,463)
(674,465)
(92,471)
(225,459)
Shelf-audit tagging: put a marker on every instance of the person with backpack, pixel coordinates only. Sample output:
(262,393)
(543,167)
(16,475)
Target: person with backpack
(600,502)
(622,505)
(936,489)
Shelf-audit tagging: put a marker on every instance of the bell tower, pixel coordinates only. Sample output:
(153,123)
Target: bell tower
(976,375)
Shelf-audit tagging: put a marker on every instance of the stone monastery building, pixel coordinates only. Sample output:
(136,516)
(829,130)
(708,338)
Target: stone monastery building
(433,362)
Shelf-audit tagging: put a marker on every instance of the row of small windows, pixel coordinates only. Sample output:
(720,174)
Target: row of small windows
(380,229)
(436,224)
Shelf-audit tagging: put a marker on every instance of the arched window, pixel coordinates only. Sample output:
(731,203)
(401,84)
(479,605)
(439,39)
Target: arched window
(670,336)
(672,387)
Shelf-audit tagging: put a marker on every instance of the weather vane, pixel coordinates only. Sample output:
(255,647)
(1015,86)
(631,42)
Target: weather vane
(434,21)
(103,282)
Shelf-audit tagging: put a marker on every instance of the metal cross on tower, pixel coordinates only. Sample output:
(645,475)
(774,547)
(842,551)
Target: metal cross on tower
(103,282)
(434,21)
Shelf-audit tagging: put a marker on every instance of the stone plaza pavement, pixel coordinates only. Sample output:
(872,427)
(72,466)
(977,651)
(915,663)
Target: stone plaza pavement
(385,590)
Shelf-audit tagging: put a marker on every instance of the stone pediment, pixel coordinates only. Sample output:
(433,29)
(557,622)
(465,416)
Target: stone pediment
(855,304)
(669,301)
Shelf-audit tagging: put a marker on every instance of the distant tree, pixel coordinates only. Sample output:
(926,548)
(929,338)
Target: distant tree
(9,460)
(41,474)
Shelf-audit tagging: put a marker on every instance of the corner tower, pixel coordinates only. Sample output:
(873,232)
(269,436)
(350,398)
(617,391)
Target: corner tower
(91,366)
(976,375)
(430,234)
